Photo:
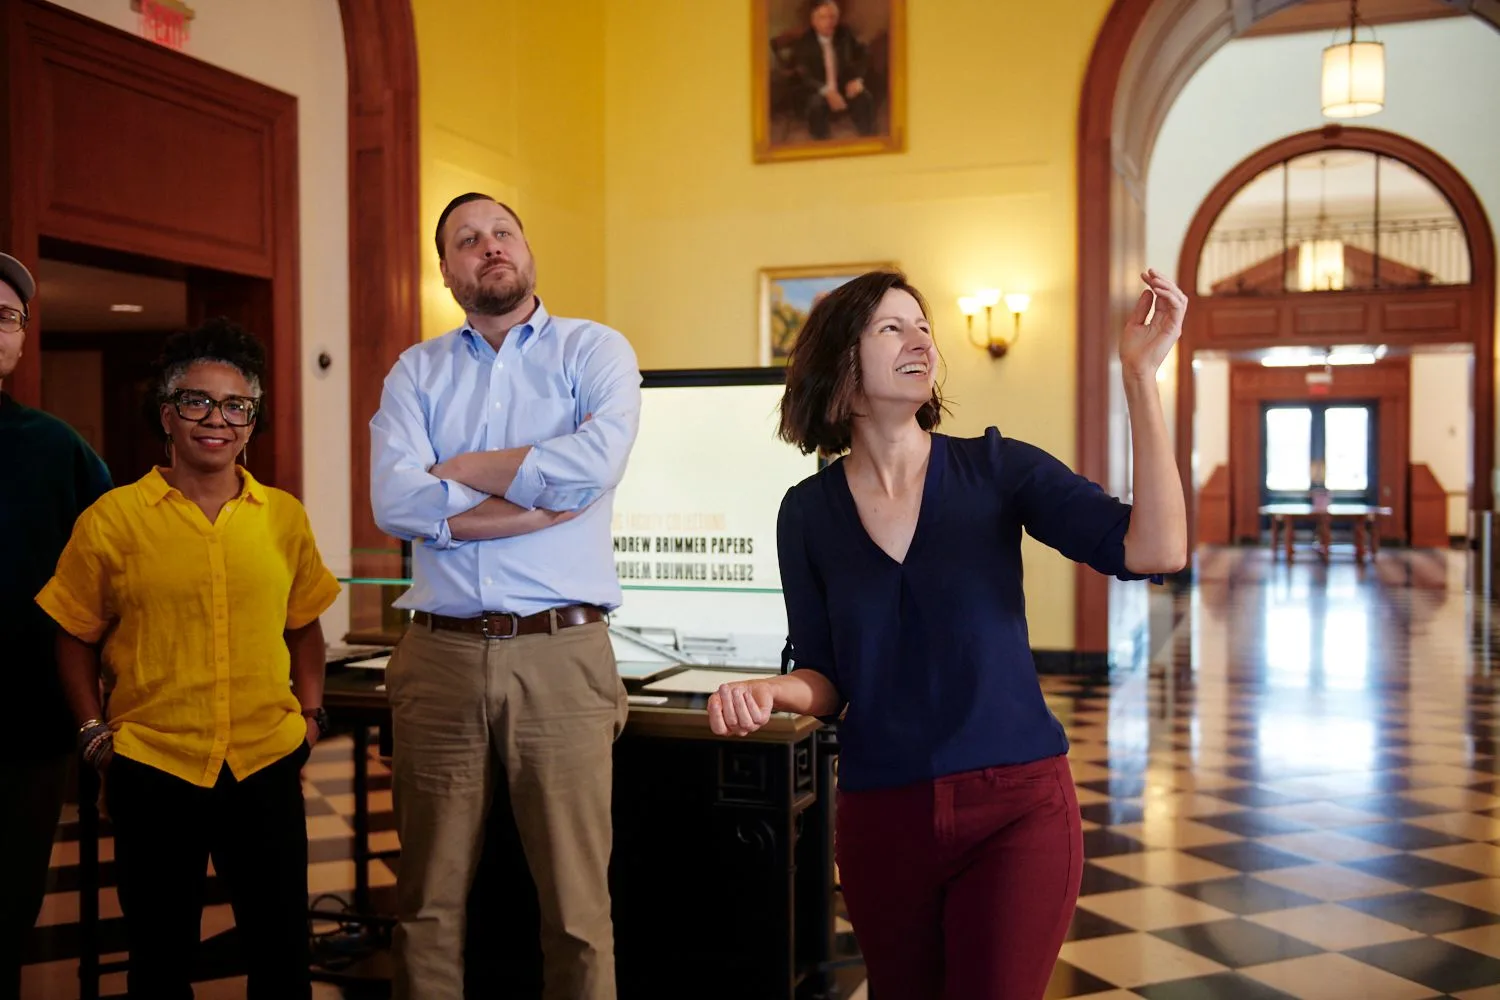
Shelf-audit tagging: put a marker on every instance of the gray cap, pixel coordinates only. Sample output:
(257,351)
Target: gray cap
(14,274)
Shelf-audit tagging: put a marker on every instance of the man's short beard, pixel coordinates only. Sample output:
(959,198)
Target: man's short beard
(478,300)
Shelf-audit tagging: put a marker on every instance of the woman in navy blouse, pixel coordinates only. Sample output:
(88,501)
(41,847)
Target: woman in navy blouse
(958,841)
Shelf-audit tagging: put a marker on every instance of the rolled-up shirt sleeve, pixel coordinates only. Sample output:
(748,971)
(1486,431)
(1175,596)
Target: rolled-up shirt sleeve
(408,501)
(573,470)
(808,628)
(1064,510)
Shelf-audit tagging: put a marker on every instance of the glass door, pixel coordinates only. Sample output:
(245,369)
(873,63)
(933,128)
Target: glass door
(1311,446)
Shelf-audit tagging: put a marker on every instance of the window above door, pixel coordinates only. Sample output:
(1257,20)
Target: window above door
(1334,220)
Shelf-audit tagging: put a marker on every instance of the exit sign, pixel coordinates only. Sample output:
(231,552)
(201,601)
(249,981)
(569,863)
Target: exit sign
(165,22)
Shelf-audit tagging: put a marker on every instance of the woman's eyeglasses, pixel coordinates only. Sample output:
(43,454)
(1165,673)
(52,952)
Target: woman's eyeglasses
(238,411)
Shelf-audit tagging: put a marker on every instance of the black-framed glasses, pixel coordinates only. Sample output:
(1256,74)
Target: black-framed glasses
(12,320)
(195,406)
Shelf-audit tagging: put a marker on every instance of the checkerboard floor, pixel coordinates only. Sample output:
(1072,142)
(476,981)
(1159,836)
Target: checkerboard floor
(1300,797)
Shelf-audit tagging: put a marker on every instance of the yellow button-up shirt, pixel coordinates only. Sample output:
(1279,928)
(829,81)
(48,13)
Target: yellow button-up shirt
(192,616)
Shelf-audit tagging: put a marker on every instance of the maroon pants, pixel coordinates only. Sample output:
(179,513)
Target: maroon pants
(962,888)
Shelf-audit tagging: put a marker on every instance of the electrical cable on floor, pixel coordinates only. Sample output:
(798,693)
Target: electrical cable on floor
(349,940)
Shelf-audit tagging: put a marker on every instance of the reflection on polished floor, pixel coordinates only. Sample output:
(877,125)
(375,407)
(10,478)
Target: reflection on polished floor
(1300,798)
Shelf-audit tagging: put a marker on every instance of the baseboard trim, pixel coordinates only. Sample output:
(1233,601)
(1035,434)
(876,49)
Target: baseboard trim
(1070,663)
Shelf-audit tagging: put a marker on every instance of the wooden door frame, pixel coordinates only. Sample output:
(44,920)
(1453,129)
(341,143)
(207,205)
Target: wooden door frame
(1446,314)
(380,43)
(384,273)
(38,33)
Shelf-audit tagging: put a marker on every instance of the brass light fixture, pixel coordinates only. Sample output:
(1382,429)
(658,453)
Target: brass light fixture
(987,299)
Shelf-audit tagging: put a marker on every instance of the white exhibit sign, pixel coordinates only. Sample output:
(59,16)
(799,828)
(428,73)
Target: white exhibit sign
(695,522)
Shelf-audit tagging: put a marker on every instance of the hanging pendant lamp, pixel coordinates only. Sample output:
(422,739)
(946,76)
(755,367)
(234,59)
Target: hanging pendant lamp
(1353,74)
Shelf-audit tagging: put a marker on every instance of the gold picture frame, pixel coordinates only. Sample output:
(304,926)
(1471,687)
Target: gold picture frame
(790,123)
(787,294)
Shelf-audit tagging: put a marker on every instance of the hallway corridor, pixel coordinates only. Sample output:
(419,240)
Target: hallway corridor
(1300,800)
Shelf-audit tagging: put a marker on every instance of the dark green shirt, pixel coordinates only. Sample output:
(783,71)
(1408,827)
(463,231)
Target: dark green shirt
(48,476)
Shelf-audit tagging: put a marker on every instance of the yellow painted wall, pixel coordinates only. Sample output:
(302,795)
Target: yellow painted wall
(512,104)
(984,197)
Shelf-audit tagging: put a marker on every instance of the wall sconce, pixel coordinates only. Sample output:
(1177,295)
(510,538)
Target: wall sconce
(987,299)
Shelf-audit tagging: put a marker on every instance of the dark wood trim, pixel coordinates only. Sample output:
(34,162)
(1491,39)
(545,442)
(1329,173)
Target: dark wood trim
(286,307)
(120,202)
(1429,509)
(680,377)
(18,227)
(1215,499)
(1441,314)
(384,225)
(1096,252)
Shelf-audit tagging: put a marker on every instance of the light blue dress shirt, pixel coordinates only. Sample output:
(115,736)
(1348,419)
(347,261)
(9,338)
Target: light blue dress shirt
(456,394)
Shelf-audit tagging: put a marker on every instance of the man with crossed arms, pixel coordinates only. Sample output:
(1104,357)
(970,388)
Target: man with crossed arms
(496,451)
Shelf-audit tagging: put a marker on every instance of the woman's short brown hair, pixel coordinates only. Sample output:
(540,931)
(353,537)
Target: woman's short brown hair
(823,379)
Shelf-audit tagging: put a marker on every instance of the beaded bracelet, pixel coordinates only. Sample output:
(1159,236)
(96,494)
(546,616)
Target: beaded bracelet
(94,737)
(98,746)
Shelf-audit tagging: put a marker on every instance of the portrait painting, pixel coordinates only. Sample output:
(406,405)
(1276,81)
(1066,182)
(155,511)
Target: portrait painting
(829,78)
(787,295)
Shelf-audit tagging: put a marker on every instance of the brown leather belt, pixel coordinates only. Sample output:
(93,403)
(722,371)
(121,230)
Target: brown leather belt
(506,625)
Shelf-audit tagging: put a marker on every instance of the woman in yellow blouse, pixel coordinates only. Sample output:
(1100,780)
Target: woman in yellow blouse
(197,590)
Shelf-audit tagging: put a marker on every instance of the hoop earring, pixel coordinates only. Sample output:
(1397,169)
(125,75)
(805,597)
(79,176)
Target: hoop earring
(167,447)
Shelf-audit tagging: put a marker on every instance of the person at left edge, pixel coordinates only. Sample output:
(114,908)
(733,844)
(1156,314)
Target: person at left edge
(198,592)
(50,475)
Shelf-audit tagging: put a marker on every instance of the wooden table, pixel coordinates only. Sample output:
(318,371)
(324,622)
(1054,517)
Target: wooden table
(1363,517)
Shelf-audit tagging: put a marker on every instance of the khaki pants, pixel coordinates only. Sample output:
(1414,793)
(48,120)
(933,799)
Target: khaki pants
(540,712)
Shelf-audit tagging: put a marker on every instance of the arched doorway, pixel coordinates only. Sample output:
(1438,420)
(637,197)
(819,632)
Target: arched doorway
(1402,311)
(1145,53)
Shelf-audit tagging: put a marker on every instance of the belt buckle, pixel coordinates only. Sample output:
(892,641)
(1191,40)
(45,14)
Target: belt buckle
(490,616)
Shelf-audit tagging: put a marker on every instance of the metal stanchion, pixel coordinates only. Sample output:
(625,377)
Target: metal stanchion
(1482,579)
(1482,552)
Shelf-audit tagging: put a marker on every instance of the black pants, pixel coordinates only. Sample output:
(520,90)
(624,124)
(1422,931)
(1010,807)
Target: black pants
(165,831)
(861,112)
(31,799)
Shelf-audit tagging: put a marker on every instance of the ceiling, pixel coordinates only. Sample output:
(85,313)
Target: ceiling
(74,298)
(1330,15)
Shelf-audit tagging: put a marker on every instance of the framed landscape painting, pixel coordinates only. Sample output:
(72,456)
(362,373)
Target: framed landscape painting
(787,295)
(829,78)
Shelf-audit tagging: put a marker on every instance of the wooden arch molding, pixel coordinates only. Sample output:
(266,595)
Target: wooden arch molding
(384,263)
(1144,55)
(1438,314)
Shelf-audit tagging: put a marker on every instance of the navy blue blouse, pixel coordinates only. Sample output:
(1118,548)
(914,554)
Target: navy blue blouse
(931,655)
